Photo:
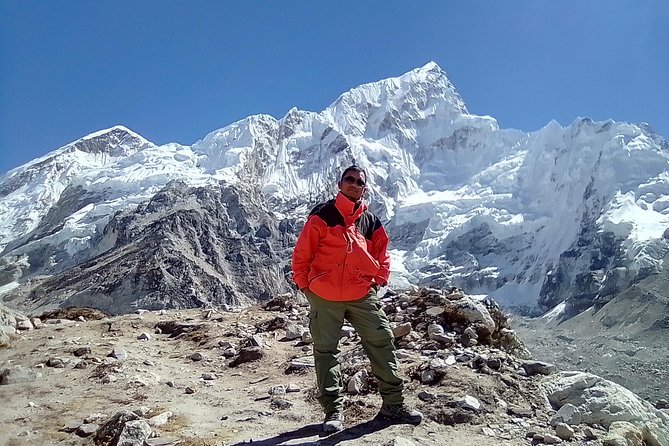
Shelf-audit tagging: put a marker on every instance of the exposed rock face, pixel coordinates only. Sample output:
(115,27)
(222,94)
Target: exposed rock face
(595,270)
(186,247)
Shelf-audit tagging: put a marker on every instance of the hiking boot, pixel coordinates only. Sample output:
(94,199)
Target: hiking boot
(333,422)
(401,412)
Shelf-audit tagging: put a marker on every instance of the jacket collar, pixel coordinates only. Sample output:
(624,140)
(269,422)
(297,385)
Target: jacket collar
(347,208)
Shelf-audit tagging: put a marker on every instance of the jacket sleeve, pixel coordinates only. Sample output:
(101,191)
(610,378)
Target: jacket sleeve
(380,253)
(305,251)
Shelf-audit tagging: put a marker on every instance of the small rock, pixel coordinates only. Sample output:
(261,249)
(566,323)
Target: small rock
(488,432)
(247,354)
(403,354)
(347,331)
(92,418)
(277,390)
(434,330)
(160,419)
(144,336)
(564,431)
(434,311)
(70,427)
(230,352)
(494,363)
(24,324)
(402,330)
(189,390)
(57,363)
(292,332)
(471,333)
(551,439)
(281,404)
(568,414)
(256,341)
(538,368)
(134,433)
(589,433)
(197,356)
(118,353)
(291,388)
(519,411)
(356,384)
(81,351)
(111,429)
(108,379)
(427,396)
(224,344)
(81,365)
(86,430)
(469,402)
(207,376)
(428,376)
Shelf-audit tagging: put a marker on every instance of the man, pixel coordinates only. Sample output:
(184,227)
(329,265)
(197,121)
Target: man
(340,261)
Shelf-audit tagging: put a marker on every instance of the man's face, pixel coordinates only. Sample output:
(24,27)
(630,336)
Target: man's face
(353,185)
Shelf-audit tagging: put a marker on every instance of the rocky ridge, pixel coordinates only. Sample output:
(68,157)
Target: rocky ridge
(187,247)
(213,377)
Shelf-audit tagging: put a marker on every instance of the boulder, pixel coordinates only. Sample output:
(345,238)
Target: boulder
(473,312)
(603,402)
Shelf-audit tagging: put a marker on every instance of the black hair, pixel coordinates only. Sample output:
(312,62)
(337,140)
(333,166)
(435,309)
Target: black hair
(353,168)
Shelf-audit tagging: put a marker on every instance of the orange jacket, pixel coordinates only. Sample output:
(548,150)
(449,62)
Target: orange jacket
(341,251)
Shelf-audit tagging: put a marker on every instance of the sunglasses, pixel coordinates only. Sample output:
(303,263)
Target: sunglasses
(351,180)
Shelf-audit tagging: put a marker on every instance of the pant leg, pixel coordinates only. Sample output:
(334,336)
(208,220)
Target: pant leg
(372,325)
(325,321)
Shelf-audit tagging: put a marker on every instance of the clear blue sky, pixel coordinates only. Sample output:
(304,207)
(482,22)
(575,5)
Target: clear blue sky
(175,70)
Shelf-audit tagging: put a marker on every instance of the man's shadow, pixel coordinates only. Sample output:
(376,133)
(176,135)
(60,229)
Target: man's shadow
(376,424)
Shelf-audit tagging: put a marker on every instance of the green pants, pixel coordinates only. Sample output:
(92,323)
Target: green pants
(369,320)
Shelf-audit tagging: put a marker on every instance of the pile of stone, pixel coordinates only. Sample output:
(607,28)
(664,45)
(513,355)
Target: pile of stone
(468,366)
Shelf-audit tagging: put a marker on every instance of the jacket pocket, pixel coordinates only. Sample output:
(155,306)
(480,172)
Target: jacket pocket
(317,276)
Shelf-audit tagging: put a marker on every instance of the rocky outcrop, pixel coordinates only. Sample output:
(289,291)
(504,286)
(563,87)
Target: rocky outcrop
(186,247)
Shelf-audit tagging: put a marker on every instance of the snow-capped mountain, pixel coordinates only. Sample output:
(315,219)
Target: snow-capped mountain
(564,214)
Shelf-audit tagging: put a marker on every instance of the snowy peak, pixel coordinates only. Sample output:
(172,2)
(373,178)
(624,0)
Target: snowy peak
(370,109)
(116,141)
